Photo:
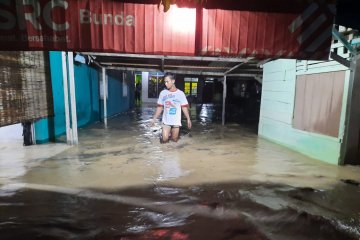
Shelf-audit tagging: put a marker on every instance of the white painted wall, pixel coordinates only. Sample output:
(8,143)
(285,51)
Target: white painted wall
(277,107)
(145,87)
(11,132)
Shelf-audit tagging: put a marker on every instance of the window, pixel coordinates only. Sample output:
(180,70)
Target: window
(318,102)
(187,88)
(156,84)
(190,87)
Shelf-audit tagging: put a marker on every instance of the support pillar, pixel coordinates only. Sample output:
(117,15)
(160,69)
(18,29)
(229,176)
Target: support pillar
(224,100)
(66,98)
(350,153)
(104,82)
(72,99)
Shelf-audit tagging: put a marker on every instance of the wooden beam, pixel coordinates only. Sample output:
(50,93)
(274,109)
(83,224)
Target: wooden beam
(340,59)
(343,40)
(186,58)
(161,67)
(233,68)
(129,64)
(92,60)
(201,73)
(262,62)
(244,75)
(196,67)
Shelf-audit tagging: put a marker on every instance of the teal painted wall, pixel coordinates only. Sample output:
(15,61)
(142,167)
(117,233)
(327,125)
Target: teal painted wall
(120,93)
(87,94)
(53,127)
(276,113)
(89,108)
(87,100)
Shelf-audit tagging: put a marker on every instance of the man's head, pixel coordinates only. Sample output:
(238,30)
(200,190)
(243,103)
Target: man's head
(169,80)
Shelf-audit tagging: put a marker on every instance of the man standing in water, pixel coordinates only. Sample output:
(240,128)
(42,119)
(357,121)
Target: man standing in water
(172,101)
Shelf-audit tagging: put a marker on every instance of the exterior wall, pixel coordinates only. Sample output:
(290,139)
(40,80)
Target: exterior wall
(277,108)
(53,127)
(11,132)
(88,104)
(119,93)
(87,94)
(145,88)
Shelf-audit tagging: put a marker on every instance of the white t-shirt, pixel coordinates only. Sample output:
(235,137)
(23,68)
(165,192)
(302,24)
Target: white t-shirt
(172,103)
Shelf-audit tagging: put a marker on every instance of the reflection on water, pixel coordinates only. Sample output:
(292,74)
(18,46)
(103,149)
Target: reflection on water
(216,211)
(215,183)
(14,157)
(170,167)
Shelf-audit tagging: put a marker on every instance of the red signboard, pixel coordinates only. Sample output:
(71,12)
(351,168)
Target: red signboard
(92,25)
(114,26)
(266,35)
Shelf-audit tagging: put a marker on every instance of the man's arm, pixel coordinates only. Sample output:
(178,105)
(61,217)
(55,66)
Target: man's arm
(157,114)
(187,115)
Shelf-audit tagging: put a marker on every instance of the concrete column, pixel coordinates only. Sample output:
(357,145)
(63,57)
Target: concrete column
(72,98)
(104,82)
(33,133)
(66,98)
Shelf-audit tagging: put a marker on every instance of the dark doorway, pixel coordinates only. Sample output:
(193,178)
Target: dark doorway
(208,92)
(243,101)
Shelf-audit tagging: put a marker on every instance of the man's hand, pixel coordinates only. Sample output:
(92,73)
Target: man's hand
(186,113)
(156,115)
(152,122)
(189,123)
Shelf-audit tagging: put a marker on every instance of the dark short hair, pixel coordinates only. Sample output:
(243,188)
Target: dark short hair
(170,75)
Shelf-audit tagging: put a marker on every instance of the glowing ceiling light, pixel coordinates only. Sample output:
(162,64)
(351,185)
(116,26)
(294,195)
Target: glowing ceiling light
(182,19)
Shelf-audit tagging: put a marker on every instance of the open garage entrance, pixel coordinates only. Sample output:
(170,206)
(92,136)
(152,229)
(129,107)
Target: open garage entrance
(201,78)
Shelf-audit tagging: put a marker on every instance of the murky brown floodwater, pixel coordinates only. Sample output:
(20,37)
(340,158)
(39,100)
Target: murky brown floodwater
(215,183)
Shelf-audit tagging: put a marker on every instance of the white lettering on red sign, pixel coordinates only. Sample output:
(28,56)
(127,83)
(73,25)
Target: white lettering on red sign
(30,11)
(87,17)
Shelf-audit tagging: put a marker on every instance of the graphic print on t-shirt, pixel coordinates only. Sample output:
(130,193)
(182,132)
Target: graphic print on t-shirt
(172,111)
(172,102)
(170,107)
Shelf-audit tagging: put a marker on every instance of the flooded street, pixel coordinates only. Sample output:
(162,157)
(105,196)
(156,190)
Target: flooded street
(215,183)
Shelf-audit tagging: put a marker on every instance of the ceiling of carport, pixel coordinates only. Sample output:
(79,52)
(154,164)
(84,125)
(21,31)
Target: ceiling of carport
(206,66)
